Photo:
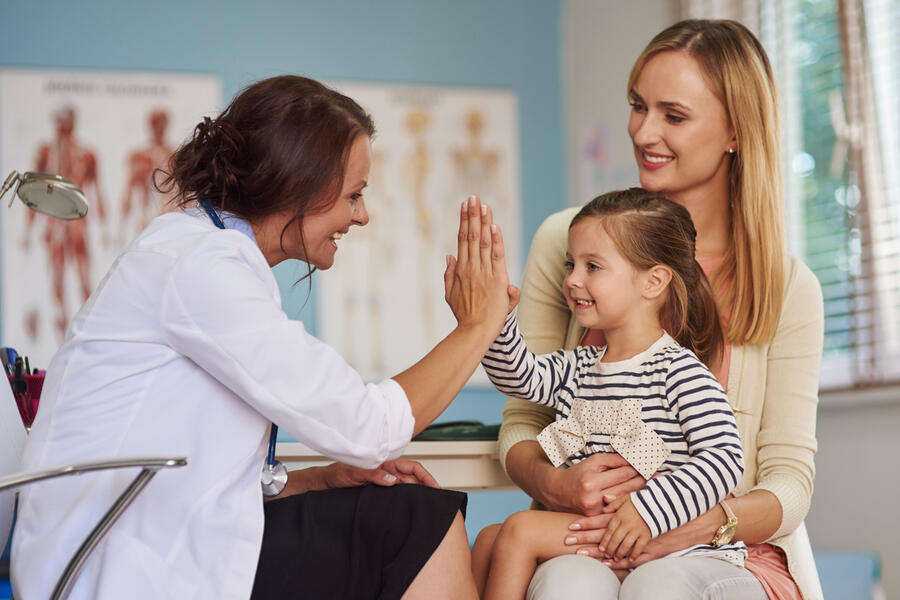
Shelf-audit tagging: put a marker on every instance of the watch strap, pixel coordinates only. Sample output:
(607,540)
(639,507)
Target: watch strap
(725,533)
(729,514)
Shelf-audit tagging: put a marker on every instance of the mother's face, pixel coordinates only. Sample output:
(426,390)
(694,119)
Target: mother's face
(680,130)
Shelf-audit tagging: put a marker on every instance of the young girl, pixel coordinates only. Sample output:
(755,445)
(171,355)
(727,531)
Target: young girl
(644,395)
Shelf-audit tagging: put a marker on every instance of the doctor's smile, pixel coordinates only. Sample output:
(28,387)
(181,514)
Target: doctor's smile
(321,231)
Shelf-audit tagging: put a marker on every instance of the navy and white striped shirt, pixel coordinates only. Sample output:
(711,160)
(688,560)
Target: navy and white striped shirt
(681,401)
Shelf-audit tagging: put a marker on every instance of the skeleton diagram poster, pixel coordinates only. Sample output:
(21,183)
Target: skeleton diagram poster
(106,131)
(382,304)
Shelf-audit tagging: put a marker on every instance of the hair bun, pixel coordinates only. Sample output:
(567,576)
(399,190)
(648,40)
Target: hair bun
(206,131)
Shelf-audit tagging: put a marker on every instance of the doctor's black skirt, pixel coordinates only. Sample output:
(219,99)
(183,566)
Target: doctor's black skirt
(358,542)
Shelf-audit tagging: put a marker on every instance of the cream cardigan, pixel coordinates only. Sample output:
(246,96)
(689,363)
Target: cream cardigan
(773,388)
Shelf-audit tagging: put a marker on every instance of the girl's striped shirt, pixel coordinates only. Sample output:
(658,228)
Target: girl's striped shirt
(680,400)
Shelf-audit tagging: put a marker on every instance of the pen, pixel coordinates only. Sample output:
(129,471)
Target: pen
(20,393)
(8,356)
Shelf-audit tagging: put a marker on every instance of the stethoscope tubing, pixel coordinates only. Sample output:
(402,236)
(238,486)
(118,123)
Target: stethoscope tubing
(276,471)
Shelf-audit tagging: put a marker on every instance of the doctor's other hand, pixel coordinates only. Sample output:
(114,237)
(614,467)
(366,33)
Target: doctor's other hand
(340,475)
(409,471)
(476,283)
(392,472)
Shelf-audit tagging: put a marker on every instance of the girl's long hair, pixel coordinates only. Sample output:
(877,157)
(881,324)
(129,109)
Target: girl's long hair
(751,279)
(649,230)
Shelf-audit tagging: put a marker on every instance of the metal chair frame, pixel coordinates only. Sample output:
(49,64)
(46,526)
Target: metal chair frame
(149,465)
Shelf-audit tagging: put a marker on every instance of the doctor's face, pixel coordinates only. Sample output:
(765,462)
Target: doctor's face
(321,231)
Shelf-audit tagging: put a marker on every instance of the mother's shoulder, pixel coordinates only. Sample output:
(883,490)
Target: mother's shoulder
(560,219)
(799,275)
(554,230)
(802,290)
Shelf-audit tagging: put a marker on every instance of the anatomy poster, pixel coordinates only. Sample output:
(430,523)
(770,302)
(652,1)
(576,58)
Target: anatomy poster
(107,131)
(382,304)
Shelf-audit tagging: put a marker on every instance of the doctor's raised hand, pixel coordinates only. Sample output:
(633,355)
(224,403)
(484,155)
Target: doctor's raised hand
(476,283)
(477,289)
(478,292)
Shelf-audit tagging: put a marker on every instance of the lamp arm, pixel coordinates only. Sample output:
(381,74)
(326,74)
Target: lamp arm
(10,180)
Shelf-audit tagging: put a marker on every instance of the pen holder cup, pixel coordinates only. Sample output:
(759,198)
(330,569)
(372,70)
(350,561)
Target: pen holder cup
(28,401)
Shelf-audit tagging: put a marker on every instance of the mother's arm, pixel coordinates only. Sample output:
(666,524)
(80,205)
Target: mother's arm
(544,320)
(758,514)
(786,442)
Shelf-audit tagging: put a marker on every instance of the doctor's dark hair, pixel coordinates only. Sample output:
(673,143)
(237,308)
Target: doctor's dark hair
(280,146)
(649,230)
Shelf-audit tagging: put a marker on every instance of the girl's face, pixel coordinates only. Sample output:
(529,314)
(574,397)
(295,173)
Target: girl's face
(602,287)
(321,231)
(680,130)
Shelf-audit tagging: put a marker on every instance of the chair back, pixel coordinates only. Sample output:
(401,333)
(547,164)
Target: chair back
(12,440)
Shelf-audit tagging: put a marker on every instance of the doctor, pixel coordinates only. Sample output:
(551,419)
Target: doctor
(184,348)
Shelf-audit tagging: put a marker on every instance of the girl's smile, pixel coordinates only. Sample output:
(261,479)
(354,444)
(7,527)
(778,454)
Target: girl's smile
(602,287)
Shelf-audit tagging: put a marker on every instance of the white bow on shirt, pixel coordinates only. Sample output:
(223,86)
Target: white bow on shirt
(633,439)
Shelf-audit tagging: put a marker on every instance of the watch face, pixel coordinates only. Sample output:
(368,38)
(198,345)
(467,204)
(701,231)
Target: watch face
(725,534)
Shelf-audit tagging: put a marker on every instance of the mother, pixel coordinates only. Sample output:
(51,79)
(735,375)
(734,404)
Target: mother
(184,349)
(704,125)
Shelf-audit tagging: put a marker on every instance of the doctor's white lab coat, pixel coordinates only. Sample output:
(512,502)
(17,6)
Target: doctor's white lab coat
(183,349)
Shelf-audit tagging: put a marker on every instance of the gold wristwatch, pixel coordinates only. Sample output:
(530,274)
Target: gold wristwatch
(725,533)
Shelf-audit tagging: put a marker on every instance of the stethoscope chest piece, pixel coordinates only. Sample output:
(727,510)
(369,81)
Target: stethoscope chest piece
(274,478)
(274,474)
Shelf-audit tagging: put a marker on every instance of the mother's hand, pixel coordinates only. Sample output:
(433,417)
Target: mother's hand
(476,282)
(591,530)
(581,488)
(655,548)
(587,532)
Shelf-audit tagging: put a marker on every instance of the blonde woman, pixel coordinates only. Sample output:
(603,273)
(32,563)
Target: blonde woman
(705,128)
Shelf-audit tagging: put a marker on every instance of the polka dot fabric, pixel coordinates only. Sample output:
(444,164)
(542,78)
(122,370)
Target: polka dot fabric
(633,439)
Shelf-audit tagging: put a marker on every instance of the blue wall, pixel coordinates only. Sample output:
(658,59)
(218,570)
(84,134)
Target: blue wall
(512,44)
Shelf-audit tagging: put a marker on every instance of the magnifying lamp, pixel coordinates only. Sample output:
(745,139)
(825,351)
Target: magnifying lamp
(46,193)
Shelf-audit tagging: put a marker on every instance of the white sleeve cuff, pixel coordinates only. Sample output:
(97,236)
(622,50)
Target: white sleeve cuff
(398,419)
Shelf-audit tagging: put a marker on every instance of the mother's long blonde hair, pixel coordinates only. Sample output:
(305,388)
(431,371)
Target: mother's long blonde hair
(737,70)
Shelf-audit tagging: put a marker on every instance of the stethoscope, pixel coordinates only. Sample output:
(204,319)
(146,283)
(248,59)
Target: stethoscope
(274,474)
